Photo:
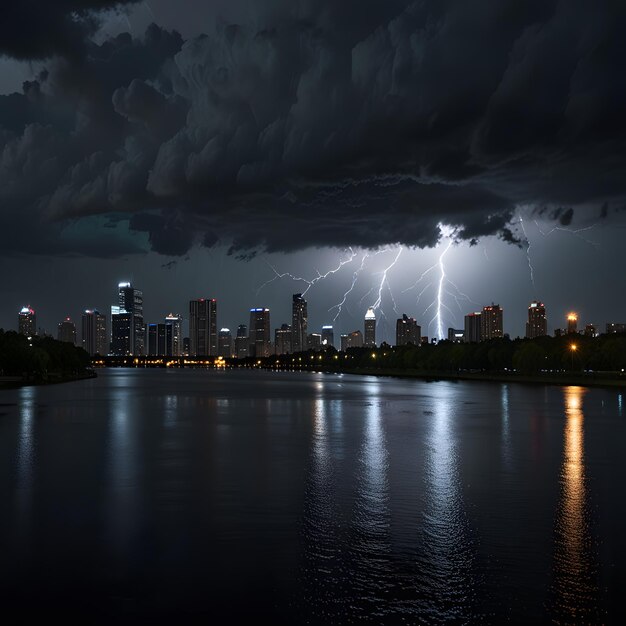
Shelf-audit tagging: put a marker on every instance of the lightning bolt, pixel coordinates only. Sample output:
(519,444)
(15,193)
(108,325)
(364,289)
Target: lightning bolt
(383,280)
(442,278)
(572,231)
(309,283)
(528,260)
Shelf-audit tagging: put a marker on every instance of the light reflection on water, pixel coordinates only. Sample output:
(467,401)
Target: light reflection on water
(574,587)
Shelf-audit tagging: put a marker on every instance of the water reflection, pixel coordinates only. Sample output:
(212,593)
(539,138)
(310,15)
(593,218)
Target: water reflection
(447,547)
(506,434)
(574,589)
(25,462)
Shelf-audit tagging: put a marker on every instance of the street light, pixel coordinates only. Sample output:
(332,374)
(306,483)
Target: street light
(573,347)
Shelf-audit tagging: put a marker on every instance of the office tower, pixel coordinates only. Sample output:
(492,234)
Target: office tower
(344,342)
(572,323)
(122,332)
(314,342)
(67,331)
(298,323)
(131,301)
(174,339)
(225,343)
(472,331)
(537,324)
(328,337)
(203,327)
(370,329)
(27,322)
(355,339)
(186,346)
(491,322)
(456,335)
(282,339)
(614,328)
(151,340)
(407,331)
(94,333)
(259,339)
(242,342)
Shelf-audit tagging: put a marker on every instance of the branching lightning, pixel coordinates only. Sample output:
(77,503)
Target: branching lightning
(530,265)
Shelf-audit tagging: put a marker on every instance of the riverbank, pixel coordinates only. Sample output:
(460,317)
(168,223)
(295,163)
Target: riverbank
(11,382)
(604,379)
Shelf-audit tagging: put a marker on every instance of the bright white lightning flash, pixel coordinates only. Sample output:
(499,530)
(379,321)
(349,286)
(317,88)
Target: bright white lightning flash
(383,281)
(530,265)
(442,278)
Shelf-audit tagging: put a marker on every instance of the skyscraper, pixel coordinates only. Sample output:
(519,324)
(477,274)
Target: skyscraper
(572,323)
(225,343)
(174,345)
(66,331)
(203,327)
(131,301)
(282,339)
(354,340)
(473,333)
(491,322)
(314,342)
(259,340)
(27,322)
(242,348)
(94,333)
(298,323)
(328,337)
(537,324)
(122,332)
(407,331)
(370,329)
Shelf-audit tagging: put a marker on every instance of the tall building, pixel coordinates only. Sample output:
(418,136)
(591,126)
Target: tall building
(537,324)
(259,339)
(203,327)
(572,323)
(355,339)
(131,301)
(282,339)
(370,329)
(328,337)
(591,330)
(407,331)
(473,332)
(157,339)
(174,339)
(94,333)
(314,342)
(299,322)
(456,335)
(66,331)
(122,332)
(344,342)
(225,343)
(242,347)
(613,328)
(27,322)
(491,322)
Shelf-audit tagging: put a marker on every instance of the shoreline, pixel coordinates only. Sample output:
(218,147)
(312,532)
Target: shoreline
(15,382)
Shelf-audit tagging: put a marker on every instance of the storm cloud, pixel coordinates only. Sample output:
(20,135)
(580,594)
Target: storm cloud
(315,124)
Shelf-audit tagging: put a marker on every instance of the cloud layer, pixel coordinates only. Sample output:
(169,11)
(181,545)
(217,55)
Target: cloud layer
(315,125)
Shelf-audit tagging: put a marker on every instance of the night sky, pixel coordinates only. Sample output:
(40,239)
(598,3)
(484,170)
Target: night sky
(193,146)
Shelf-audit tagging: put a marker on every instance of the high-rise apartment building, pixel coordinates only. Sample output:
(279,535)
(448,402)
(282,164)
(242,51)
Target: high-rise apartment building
(314,342)
(260,337)
(66,331)
(472,331)
(299,323)
(131,301)
(174,341)
(27,322)
(407,331)
(242,342)
(491,322)
(282,339)
(203,327)
(456,335)
(354,339)
(370,329)
(537,324)
(94,333)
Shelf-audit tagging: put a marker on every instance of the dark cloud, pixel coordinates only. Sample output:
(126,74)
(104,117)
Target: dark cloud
(37,29)
(322,123)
